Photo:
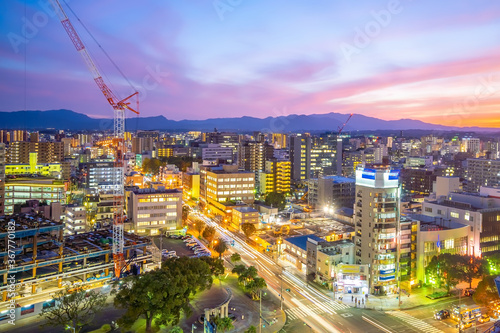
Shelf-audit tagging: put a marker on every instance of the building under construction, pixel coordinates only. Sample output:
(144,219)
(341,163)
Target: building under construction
(46,260)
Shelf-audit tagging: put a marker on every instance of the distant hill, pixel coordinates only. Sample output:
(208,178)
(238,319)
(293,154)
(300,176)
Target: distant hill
(70,120)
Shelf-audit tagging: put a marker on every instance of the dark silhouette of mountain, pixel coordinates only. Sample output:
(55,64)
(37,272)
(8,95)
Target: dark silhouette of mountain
(70,120)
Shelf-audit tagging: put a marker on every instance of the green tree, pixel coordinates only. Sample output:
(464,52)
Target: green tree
(176,329)
(276,200)
(493,262)
(216,265)
(185,214)
(248,229)
(470,268)
(151,165)
(251,329)
(235,257)
(199,226)
(239,269)
(162,294)
(75,309)
(255,286)
(223,324)
(486,291)
(444,271)
(220,246)
(209,233)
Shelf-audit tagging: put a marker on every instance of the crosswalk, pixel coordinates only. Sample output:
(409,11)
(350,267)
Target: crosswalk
(421,325)
(320,308)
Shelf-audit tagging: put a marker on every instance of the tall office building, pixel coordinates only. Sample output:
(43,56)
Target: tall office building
(2,179)
(252,156)
(225,139)
(482,172)
(377,224)
(300,156)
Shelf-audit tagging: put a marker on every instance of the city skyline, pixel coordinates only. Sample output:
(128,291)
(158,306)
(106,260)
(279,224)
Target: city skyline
(216,59)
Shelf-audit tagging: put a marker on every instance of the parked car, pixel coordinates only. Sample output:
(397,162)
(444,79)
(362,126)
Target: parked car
(443,314)
(484,318)
(464,325)
(469,292)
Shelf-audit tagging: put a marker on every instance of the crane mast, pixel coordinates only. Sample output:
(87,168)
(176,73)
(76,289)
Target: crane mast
(119,107)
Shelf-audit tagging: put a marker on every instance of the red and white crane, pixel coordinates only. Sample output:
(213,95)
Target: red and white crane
(119,107)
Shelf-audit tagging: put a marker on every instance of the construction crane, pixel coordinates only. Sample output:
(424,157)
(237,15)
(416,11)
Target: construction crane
(339,146)
(119,107)
(341,128)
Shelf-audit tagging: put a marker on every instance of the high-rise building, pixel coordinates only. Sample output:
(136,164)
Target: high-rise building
(225,139)
(322,160)
(279,140)
(471,145)
(48,152)
(212,151)
(300,156)
(2,179)
(335,192)
(417,180)
(100,176)
(76,220)
(482,172)
(377,224)
(252,156)
(276,177)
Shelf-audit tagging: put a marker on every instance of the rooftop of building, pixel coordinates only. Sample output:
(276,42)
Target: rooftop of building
(435,223)
(301,241)
(23,222)
(246,209)
(339,179)
(159,190)
(33,179)
(332,248)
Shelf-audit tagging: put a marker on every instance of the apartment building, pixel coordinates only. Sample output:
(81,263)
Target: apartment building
(276,177)
(482,172)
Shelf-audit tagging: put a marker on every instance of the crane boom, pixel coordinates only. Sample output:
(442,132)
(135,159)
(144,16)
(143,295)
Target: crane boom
(341,128)
(119,107)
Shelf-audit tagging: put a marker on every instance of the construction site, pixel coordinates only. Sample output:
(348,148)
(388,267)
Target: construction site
(46,261)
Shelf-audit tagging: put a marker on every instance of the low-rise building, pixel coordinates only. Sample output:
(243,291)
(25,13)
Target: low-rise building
(295,250)
(244,214)
(76,220)
(150,210)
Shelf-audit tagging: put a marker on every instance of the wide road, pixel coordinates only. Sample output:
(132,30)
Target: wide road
(306,307)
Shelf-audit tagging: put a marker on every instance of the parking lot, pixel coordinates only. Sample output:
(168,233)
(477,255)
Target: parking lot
(172,244)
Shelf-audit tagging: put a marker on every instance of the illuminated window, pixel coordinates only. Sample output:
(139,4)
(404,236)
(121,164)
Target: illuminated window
(455,215)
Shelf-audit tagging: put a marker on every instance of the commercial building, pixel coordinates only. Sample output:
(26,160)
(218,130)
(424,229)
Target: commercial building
(276,177)
(226,184)
(150,210)
(335,192)
(481,212)
(417,181)
(245,214)
(101,176)
(224,139)
(323,160)
(20,190)
(295,250)
(482,172)
(214,152)
(54,170)
(300,156)
(377,224)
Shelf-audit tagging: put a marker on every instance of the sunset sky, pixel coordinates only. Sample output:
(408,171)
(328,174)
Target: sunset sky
(435,61)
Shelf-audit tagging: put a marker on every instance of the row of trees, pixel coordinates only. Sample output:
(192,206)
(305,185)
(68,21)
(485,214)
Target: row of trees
(248,278)
(164,294)
(447,270)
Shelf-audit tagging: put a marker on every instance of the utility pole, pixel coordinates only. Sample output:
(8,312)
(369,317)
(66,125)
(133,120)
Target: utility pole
(260,310)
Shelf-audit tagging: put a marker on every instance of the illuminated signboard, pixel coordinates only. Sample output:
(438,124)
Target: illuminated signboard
(368,174)
(394,175)
(387,271)
(385,278)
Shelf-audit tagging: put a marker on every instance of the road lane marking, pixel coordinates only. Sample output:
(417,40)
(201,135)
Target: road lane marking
(415,322)
(365,318)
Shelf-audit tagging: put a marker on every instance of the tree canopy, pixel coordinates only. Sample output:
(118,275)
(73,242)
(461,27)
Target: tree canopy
(470,268)
(221,246)
(75,309)
(248,229)
(151,165)
(486,291)
(276,200)
(199,226)
(235,257)
(209,233)
(223,324)
(444,271)
(163,294)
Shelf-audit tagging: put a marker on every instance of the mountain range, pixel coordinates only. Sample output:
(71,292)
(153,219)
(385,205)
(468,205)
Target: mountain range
(70,120)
